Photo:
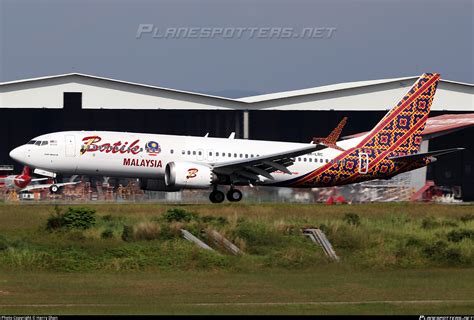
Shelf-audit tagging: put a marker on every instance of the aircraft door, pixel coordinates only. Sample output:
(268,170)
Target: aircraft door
(363,163)
(70,146)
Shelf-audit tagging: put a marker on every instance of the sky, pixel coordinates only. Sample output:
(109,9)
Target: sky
(369,40)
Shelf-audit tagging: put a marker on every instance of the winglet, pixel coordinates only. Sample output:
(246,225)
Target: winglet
(331,139)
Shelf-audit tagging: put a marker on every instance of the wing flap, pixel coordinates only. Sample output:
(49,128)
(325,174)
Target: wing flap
(252,168)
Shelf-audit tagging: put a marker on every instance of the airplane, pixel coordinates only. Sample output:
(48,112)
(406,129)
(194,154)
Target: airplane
(173,163)
(22,182)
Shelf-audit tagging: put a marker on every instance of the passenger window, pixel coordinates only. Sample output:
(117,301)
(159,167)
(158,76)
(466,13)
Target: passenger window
(217,154)
(310,159)
(189,153)
(241,155)
(171,151)
(246,155)
(200,153)
(304,159)
(183,152)
(229,154)
(235,155)
(327,160)
(194,153)
(299,159)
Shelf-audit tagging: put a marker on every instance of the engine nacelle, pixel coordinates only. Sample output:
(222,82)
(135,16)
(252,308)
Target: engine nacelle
(188,175)
(156,185)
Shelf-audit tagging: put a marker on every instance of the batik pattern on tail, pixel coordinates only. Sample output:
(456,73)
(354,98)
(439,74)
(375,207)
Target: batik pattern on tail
(398,133)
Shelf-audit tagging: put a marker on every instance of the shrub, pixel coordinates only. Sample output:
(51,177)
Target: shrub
(453,255)
(429,223)
(107,218)
(178,214)
(352,219)
(74,218)
(435,251)
(107,234)
(55,221)
(79,218)
(459,235)
(127,233)
(3,243)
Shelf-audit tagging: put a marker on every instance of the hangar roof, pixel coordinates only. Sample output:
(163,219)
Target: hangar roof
(105,93)
(76,74)
(335,87)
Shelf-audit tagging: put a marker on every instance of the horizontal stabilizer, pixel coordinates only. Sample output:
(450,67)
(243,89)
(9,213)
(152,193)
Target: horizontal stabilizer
(331,140)
(424,155)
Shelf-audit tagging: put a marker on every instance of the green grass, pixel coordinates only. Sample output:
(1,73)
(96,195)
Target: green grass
(377,236)
(420,255)
(323,290)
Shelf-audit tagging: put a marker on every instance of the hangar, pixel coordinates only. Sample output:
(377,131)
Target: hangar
(85,102)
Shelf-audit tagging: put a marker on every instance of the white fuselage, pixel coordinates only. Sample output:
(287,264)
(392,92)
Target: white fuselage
(122,154)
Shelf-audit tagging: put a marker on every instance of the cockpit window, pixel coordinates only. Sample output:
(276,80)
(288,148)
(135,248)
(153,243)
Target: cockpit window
(32,142)
(38,143)
(44,143)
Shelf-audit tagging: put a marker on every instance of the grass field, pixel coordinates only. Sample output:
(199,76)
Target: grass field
(395,258)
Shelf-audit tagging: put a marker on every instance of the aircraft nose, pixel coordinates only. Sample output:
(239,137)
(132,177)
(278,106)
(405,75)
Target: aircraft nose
(17,154)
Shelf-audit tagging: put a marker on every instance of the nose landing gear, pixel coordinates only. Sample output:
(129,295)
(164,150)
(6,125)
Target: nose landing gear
(54,189)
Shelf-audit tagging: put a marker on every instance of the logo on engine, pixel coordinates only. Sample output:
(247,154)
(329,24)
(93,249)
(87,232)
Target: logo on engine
(192,173)
(152,148)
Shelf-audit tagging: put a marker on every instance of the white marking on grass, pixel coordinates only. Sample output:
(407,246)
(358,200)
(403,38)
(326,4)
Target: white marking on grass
(331,302)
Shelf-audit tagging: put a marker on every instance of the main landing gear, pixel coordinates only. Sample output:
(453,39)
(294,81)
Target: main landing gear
(216,196)
(233,195)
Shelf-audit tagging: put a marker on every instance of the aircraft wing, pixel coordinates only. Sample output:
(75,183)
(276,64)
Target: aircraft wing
(46,186)
(424,155)
(251,168)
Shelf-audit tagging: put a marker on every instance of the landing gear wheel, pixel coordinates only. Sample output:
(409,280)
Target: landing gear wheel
(234,195)
(216,196)
(54,189)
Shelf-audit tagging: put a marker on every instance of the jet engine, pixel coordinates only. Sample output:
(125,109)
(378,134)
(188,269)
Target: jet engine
(156,185)
(188,175)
